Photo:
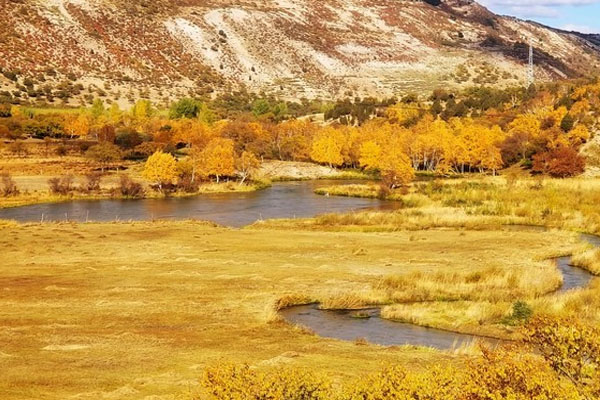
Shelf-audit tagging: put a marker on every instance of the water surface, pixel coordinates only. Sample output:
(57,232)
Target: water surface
(282,200)
(342,325)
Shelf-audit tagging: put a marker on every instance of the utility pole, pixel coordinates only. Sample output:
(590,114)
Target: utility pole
(530,70)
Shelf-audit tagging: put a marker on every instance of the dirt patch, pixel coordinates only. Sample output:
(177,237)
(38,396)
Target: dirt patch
(291,170)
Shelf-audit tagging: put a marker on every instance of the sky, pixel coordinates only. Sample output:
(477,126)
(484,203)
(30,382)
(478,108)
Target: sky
(577,15)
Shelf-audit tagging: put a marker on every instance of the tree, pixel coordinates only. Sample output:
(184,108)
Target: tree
(106,133)
(291,140)
(404,114)
(370,155)
(567,123)
(77,125)
(142,110)
(390,160)
(523,132)
(216,159)
(185,108)
(161,169)
(327,147)
(104,153)
(395,167)
(97,110)
(246,165)
(193,133)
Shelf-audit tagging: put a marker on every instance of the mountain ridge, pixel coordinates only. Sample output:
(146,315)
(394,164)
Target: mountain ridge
(293,49)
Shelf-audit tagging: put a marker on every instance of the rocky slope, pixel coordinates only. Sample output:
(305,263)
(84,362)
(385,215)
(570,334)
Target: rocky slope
(295,48)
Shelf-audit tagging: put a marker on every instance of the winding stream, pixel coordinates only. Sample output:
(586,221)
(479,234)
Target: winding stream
(281,200)
(345,326)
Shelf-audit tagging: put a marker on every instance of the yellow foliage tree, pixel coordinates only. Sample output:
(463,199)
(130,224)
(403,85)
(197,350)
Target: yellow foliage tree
(246,165)
(160,169)
(391,161)
(216,159)
(403,114)
(370,155)
(77,125)
(578,135)
(292,139)
(328,146)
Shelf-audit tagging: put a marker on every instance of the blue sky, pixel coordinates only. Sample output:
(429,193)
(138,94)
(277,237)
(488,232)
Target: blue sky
(579,15)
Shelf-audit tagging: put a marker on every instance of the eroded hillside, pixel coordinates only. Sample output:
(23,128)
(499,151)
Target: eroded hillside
(71,49)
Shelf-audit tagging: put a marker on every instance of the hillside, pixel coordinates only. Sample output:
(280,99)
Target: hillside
(77,49)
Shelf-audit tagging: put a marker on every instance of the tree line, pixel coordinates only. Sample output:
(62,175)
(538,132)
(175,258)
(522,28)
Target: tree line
(479,130)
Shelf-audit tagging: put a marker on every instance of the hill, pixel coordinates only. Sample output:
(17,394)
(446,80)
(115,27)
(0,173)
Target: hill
(77,49)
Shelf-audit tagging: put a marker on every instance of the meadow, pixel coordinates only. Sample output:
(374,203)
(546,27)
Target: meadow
(189,310)
(131,310)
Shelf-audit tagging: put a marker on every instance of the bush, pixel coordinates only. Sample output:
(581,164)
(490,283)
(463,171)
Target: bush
(92,182)
(61,150)
(104,153)
(128,139)
(242,382)
(184,108)
(521,312)
(61,185)
(188,185)
(9,186)
(130,188)
(562,162)
(18,148)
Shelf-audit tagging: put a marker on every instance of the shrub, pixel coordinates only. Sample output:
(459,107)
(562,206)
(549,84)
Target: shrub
(242,382)
(130,188)
(104,153)
(61,185)
(18,148)
(128,139)
(571,348)
(562,162)
(521,312)
(9,186)
(92,182)
(144,150)
(505,374)
(567,123)
(61,150)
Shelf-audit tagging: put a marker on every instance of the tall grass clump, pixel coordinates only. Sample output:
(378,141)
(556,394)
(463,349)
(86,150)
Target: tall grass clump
(492,284)
(588,260)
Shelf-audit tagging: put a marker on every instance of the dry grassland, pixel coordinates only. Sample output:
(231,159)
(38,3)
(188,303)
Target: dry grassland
(101,311)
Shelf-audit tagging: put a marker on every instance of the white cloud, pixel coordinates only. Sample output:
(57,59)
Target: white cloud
(534,11)
(580,28)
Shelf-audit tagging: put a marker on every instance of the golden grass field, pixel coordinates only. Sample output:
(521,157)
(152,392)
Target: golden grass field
(136,310)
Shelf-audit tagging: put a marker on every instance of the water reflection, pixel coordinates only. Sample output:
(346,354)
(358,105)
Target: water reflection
(282,200)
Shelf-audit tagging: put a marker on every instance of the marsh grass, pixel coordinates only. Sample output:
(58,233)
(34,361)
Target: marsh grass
(588,259)
(351,301)
(490,284)
(569,204)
